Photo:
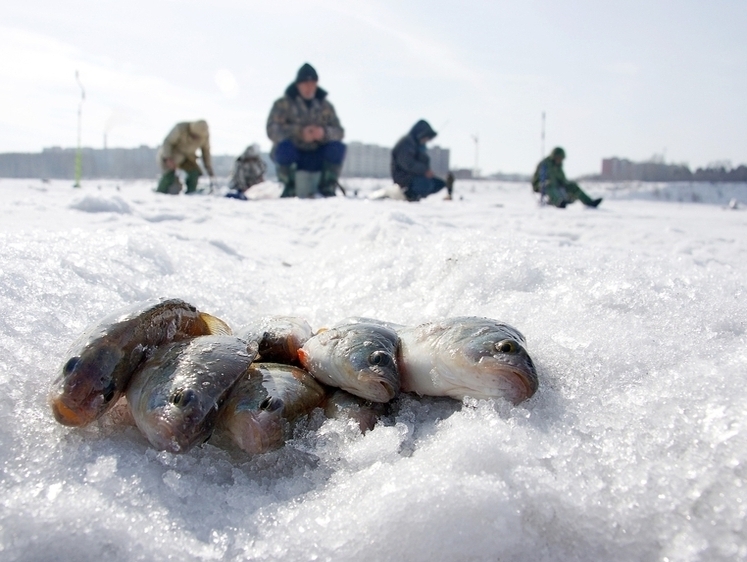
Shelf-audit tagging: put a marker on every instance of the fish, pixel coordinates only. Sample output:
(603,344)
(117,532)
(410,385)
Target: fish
(100,363)
(466,356)
(342,405)
(279,337)
(360,358)
(175,399)
(262,409)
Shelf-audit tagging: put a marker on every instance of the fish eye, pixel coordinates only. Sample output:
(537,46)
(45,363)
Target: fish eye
(70,365)
(379,358)
(507,346)
(271,404)
(182,397)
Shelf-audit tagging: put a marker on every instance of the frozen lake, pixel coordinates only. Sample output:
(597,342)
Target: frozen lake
(634,447)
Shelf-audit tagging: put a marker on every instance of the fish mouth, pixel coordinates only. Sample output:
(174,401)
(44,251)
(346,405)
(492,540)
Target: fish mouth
(523,386)
(376,390)
(165,435)
(257,432)
(71,417)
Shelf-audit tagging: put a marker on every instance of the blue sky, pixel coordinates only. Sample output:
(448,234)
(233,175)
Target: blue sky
(629,79)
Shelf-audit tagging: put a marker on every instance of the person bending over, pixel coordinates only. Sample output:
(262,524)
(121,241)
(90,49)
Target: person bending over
(179,151)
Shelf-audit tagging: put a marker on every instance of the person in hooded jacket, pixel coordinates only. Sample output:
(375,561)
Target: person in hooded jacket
(306,136)
(411,165)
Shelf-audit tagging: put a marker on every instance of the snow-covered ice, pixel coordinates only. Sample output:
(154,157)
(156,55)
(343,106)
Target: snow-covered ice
(634,448)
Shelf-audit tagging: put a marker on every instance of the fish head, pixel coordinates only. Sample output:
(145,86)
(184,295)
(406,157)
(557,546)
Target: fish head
(498,364)
(368,356)
(88,384)
(176,419)
(167,406)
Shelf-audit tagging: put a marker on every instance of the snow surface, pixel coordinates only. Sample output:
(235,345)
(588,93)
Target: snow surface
(634,448)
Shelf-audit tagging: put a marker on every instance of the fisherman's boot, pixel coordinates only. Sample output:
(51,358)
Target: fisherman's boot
(167,182)
(556,196)
(588,201)
(307,183)
(192,177)
(286,176)
(449,186)
(329,183)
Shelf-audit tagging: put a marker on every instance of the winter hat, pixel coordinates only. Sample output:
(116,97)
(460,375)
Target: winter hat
(199,128)
(305,73)
(558,152)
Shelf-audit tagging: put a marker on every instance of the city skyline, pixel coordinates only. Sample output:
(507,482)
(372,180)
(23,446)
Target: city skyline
(631,80)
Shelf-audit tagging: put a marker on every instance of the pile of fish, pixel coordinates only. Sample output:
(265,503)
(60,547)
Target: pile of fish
(183,375)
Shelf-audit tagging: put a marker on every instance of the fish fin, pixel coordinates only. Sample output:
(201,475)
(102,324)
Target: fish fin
(252,347)
(303,356)
(320,330)
(216,326)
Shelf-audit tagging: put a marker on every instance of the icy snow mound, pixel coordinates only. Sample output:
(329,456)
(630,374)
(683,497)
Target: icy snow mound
(634,447)
(98,204)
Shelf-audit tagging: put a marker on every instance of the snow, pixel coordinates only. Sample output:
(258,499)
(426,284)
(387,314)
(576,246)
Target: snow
(634,448)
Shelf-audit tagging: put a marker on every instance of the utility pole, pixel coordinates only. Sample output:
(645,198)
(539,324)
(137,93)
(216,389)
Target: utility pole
(78,153)
(476,138)
(542,146)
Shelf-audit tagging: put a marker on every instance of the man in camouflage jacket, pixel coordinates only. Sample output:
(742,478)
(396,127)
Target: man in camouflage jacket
(549,180)
(306,136)
(179,151)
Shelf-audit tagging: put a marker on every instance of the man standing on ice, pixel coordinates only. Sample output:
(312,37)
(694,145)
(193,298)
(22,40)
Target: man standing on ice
(179,151)
(306,136)
(411,165)
(549,181)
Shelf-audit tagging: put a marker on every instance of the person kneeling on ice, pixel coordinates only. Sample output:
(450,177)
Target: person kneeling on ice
(248,170)
(411,165)
(179,151)
(306,136)
(550,182)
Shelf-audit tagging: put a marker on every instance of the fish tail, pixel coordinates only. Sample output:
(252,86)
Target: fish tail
(216,326)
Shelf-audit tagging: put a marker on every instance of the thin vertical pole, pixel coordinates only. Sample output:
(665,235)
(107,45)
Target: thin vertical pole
(476,138)
(542,146)
(78,153)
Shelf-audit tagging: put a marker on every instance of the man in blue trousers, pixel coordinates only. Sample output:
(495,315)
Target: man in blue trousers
(306,136)
(411,165)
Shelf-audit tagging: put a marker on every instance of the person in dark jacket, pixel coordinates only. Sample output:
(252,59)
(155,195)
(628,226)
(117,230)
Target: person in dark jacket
(550,182)
(306,138)
(411,165)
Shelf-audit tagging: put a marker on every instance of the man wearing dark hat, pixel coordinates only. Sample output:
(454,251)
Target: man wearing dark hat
(306,135)
(411,165)
(549,180)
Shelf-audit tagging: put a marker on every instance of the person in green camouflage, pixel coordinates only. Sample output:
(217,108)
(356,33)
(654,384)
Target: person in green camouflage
(550,182)
(306,138)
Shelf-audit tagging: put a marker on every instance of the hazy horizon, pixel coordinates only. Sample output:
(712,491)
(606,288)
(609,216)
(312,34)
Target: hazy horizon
(631,81)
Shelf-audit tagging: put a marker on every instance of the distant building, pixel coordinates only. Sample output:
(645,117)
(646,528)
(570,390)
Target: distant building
(366,161)
(119,163)
(618,169)
(374,161)
(439,160)
(463,173)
